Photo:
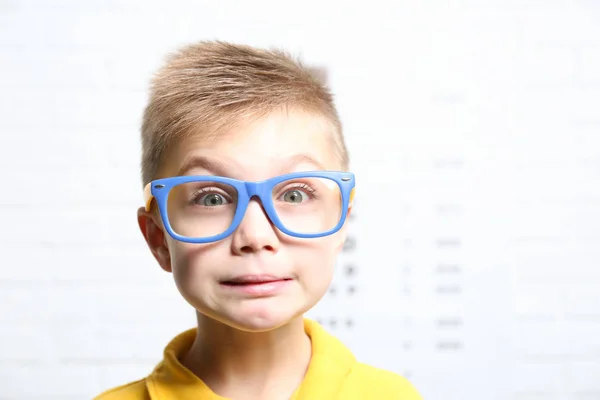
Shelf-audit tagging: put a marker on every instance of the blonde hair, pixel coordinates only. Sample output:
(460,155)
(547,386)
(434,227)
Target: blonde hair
(206,86)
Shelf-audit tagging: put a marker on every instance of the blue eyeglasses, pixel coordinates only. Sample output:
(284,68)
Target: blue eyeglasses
(203,209)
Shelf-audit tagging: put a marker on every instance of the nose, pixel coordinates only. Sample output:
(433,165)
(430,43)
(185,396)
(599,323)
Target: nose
(256,232)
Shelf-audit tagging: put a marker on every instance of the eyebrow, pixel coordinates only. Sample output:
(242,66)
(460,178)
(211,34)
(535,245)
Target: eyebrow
(299,159)
(212,165)
(217,167)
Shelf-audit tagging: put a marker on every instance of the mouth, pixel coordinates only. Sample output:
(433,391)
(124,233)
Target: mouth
(249,280)
(257,286)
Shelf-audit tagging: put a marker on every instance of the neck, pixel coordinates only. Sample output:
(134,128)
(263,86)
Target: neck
(238,364)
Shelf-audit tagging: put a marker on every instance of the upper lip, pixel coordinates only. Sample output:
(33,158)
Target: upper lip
(255,279)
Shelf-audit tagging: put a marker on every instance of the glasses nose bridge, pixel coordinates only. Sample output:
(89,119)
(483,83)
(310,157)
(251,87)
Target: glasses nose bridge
(258,189)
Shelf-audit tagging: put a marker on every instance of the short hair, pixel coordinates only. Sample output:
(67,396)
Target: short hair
(208,85)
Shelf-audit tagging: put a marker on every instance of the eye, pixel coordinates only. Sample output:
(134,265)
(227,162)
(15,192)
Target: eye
(295,196)
(298,193)
(212,199)
(208,197)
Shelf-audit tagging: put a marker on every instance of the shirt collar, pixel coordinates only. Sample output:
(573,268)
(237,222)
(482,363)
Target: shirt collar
(330,363)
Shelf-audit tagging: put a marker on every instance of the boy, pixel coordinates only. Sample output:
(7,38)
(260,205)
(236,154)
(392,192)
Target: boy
(247,193)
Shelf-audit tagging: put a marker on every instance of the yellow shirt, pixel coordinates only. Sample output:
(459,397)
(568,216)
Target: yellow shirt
(333,373)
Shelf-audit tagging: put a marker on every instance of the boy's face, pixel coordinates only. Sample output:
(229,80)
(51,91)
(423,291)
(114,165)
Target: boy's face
(282,142)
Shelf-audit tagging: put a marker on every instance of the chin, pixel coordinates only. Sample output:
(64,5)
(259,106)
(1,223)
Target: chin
(262,323)
(259,320)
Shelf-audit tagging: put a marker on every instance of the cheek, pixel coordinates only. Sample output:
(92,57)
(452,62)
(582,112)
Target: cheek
(191,265)
(316,261)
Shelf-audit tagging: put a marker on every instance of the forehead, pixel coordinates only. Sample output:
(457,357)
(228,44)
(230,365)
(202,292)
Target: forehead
(283,141)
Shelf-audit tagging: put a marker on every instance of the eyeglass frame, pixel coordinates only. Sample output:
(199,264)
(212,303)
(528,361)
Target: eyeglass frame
(159,190)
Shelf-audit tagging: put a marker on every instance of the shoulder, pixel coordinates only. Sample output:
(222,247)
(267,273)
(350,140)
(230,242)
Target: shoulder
(379,383)
(131,391)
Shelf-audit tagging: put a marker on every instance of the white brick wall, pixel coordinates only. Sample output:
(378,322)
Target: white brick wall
(473,127)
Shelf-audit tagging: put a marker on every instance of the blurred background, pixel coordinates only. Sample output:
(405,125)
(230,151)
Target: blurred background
(472,265)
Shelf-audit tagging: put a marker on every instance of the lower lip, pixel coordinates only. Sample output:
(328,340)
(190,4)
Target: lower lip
(262,288)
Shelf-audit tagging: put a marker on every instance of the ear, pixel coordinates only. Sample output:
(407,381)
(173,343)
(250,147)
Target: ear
(154,234)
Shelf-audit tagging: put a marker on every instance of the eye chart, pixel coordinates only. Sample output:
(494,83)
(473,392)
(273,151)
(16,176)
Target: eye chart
(472,260)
